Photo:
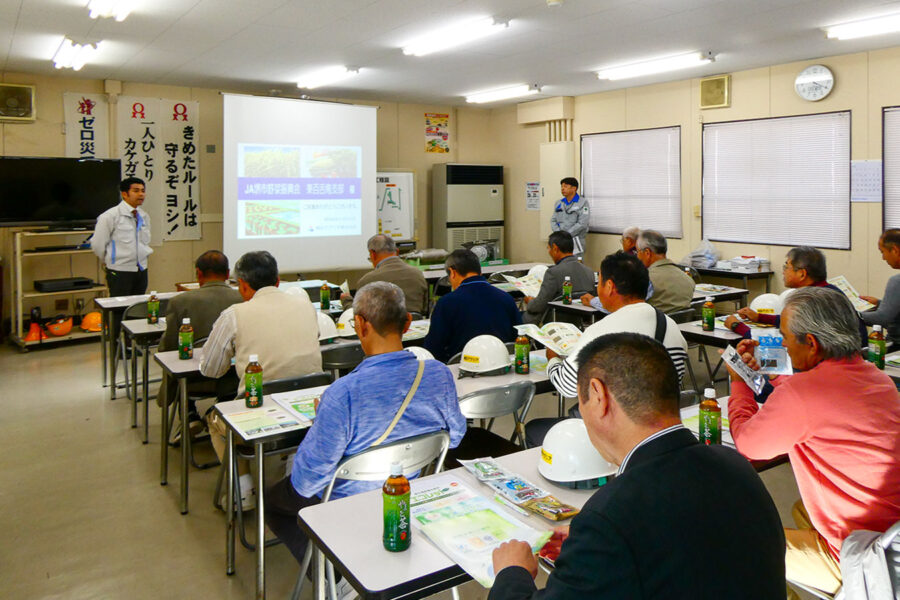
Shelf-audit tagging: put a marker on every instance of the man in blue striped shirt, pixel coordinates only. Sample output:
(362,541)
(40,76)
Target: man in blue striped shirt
(357,409)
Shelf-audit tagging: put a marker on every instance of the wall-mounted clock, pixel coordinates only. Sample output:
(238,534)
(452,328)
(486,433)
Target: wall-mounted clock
(814,82)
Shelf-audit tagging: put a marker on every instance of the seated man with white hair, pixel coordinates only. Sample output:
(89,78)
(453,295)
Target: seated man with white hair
(390,267)
(357,411)
(838,420)
(629,239)
(673,289)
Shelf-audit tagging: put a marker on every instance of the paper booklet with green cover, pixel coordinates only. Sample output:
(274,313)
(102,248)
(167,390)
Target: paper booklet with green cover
(559,337)
(300,403)
(467,527)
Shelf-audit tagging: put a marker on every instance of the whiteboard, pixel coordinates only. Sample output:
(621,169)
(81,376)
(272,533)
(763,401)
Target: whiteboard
(395,208)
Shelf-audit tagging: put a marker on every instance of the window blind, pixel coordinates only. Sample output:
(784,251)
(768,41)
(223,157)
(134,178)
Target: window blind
(633,178)
(891,166)
(783,181)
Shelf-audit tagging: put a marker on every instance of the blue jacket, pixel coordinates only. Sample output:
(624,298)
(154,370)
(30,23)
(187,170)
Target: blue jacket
(474,308)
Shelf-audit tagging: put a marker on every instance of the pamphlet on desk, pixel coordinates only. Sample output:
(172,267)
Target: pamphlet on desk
(527,284)
(301,404)
(259,422)
(467,527)
(417,330)
(559,337)
(841,283)
(711,288)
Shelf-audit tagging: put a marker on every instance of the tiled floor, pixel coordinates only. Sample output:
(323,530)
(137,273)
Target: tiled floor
(85,516)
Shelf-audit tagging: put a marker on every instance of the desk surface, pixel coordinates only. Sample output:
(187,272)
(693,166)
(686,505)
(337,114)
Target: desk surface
(126,301)
(713,272)
(357,551)
(467,385)
(693,332)
(176,367)
(140,327)
(437,273)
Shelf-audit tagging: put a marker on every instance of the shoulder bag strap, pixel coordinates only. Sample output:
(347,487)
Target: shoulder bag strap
(402,409)
(661,326)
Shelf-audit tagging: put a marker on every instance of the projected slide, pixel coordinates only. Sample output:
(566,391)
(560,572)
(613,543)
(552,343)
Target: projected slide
(298,191)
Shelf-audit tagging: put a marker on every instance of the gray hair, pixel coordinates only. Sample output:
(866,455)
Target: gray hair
(811,259)
(381,244)
(653,240)
(631,233)
(383,305)
(827,315)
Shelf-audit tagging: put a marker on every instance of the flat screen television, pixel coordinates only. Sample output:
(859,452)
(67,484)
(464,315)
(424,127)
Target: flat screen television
(56,191)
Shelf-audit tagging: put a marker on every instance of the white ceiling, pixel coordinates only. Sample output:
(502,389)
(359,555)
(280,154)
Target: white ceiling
(260,45)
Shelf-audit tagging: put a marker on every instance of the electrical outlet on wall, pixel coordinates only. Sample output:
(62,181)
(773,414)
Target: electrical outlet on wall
(61,304)
(79,304)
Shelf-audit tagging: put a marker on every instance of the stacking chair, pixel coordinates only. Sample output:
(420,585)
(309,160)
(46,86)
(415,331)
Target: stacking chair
(374,464)
(342,358)
(890,542)
(283,446)
(509,399)
(416,316)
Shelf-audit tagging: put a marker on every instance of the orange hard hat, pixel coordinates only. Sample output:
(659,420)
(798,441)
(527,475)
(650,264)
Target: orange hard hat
(91,321)
(60,325)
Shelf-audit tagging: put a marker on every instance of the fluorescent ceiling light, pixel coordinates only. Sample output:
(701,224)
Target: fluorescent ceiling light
(73,56)
(516,91)
(326,76)
(658,65)
(119,9)
(876,26)
(454,35)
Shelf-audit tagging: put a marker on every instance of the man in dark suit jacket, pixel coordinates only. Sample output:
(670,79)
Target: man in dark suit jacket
(202,306)
(680,520)
(560,247)
(473,308)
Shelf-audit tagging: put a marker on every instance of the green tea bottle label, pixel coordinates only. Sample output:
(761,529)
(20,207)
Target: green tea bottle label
(710,427)
(396,522)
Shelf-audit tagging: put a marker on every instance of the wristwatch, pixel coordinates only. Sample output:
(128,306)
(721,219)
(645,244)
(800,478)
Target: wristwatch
(735,324)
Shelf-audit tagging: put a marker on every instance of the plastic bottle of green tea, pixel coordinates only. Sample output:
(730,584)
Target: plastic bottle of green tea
(395,496)
(253,383)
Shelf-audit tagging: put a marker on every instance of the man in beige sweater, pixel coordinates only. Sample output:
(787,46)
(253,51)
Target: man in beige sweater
(280,328)
(391,268)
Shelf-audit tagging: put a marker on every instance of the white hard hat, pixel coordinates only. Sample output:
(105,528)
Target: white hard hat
(295,290)
(569,458)
(784,295)
(538,271)
(345,326)
(420,352)
(327,328)
(767,303)
(484,355)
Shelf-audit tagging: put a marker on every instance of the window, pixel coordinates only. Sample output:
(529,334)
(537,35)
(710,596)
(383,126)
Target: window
(633,178)
(890,153)
(783,181)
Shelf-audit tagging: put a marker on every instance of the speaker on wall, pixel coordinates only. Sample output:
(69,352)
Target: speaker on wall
(715,92)
(16,102)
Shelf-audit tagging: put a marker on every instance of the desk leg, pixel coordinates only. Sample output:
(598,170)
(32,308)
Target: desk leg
(132,366)
(185,443)
(113,357)
(104,340)
(260,523)
(146,394)
(229,502)
(164,444)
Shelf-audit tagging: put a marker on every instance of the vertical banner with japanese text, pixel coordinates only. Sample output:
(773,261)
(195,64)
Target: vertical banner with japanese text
(87,125)
(157,142)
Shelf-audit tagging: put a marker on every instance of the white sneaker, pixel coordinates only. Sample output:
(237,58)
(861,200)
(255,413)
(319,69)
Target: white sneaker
(345,591)
(248,494)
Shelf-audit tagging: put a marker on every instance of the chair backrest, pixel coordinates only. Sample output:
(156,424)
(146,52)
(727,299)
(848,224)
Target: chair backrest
(684,315)
(689,398)
(344,356)
(497,401)
(289,384)
(416,316)
(890,541)
(374,464)
(138,310)
(692,272)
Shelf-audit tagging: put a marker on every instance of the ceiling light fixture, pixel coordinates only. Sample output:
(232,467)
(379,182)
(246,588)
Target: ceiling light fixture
(326,76)
(73,56)
(554,2)
(657,65)
(119,9)
(454,35)
(516,91)
(858,29)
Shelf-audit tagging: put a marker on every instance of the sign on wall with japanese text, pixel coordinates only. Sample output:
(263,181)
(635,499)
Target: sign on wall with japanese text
(158,141)
(87,125)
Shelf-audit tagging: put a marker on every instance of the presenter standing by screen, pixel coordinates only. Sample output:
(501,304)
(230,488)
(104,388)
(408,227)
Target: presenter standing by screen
(572,213)
(122,241)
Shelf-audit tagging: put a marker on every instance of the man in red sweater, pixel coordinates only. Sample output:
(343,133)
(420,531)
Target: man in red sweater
(838,419)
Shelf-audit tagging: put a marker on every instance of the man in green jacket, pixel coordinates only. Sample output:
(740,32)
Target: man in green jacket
(673,289)
(391,268)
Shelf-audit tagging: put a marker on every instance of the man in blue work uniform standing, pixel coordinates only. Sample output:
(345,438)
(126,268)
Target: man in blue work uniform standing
(122,241)
(572,213)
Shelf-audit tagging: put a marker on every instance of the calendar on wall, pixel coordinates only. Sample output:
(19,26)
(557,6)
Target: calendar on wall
(865,181)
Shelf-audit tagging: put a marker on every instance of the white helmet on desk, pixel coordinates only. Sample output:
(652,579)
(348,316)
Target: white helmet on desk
(538,272)
(569,459)
(295,290)
(327,329)
(345,326)
(420,352)
(484,355)
(767,304)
